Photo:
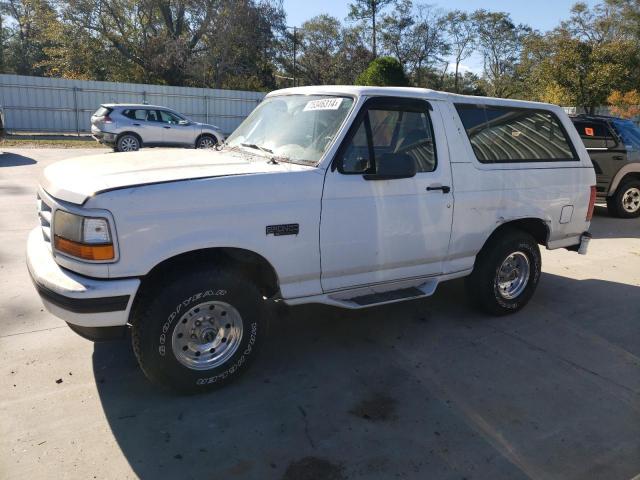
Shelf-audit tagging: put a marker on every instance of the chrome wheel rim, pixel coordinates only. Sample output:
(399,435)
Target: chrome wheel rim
(631,200)
(129,144)
(207,335)
(513,275)
(207,143)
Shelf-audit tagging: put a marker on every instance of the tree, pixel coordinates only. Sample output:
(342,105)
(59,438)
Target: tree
(369,10)
(175,41)
(396,31)
(414,35)
(430,44)
(599,24)
(461,30)
(500,42)
(160,36)
(354,55)
(240,47)
(562,69)
(625,105)
(383,72)
(319,44)
(27,36)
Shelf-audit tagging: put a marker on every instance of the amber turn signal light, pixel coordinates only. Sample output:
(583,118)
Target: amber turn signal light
(84,251)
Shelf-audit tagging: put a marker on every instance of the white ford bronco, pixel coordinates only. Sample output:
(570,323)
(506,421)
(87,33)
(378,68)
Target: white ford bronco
(347,196)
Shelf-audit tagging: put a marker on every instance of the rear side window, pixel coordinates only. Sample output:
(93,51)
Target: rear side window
(629,133)
(514,135)
(594,134)
(102,112)
(135,114)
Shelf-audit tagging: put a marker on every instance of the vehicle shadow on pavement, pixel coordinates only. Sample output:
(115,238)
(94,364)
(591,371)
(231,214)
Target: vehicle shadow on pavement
(8,159)
(604,225)
(425,389)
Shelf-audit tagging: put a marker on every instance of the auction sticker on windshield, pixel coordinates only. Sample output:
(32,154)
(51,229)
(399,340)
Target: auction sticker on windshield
(323,104)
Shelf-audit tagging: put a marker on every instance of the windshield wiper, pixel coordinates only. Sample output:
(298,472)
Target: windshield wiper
(257,147)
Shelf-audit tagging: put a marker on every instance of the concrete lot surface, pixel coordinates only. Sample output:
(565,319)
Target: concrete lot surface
(427,389)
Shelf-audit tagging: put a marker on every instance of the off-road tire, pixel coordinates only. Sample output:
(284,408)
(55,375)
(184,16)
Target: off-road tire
(615,205)
(482,285)
(160,308)
(122,145)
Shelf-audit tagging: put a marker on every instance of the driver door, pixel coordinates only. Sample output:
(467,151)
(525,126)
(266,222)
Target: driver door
(382,230)
(174,132)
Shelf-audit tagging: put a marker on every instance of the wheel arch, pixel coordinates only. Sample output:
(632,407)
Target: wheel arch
(247,262)
(207,134)
(631,170)
(536,227)
(134,134)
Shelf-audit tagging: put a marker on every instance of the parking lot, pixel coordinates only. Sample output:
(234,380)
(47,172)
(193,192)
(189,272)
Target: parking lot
(425,389)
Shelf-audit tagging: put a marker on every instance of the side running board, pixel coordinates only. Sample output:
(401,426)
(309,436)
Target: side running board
(392,296)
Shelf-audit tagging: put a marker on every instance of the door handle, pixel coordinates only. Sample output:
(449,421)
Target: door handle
(136,124)
(443,188)
(166,127)
(618,157)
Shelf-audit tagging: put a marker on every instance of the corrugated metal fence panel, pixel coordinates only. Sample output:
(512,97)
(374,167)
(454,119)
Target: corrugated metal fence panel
(40,104)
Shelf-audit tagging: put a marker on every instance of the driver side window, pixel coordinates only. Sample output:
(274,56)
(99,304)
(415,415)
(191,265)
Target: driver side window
(167,117)
(389,127)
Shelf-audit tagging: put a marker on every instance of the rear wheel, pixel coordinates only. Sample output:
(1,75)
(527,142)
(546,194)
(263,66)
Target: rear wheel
(506,273)
(199,330)
(206,141)
(128,143)
(625,203)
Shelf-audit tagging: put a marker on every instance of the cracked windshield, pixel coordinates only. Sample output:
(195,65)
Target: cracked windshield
(296,128)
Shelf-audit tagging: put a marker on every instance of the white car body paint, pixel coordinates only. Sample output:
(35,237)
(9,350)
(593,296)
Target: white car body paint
(355,236)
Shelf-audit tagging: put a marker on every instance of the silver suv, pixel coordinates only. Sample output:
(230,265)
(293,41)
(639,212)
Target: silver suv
(128,127)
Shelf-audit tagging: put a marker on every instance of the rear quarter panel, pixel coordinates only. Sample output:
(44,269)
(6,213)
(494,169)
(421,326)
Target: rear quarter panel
(489,195)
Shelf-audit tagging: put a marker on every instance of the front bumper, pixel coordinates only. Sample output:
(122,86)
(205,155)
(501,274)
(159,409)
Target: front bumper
(78,300)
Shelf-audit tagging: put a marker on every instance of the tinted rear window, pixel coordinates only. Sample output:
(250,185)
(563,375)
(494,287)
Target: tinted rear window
(510,135)
(102,111)
(594,134)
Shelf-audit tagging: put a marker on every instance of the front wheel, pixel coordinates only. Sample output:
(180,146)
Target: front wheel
(199,330)
(206,141)
(625,203)
(506,273)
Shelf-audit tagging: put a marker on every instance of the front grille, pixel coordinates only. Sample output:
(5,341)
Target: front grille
(44,214)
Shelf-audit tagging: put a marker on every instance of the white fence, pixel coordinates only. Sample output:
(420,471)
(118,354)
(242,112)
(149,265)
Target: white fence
(54,105)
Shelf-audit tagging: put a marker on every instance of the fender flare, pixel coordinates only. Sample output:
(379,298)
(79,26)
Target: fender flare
(623,172)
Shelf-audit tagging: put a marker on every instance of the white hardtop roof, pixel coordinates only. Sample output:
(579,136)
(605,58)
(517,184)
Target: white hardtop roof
(425,93)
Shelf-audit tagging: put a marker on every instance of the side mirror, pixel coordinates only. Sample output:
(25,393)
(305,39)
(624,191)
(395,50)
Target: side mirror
(391,166)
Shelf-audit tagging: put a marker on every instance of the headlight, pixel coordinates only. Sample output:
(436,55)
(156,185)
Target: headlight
(88,238)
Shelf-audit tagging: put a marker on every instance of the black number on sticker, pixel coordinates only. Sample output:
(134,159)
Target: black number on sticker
(280,230)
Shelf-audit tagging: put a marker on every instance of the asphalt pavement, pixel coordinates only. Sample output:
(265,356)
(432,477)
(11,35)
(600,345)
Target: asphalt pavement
(427,389)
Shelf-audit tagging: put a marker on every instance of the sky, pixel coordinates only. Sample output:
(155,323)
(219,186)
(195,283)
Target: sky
(539,14)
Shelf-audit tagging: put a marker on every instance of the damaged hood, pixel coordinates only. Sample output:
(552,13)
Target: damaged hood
(79,178)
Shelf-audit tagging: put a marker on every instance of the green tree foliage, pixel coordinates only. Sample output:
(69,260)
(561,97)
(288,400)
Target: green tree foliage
(462,33)
(591,58)
(500,42)
(384,72)
(26,36)
(329,53)
(581,62)
(414,34)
